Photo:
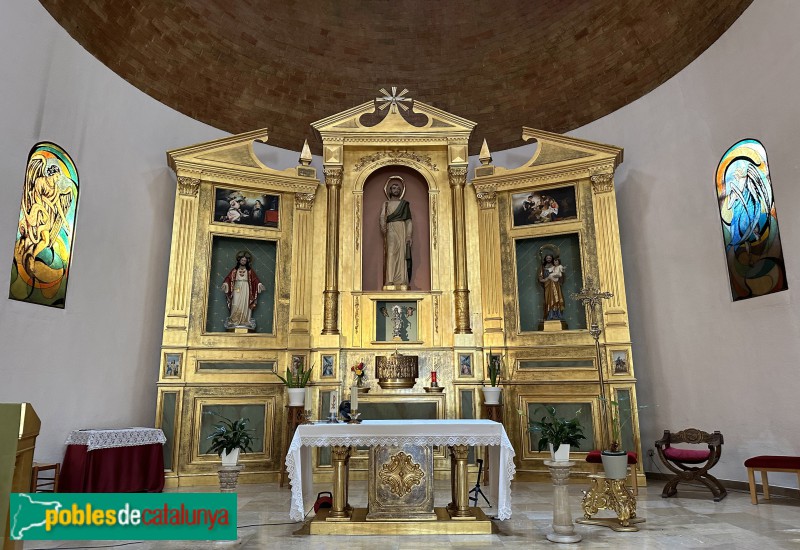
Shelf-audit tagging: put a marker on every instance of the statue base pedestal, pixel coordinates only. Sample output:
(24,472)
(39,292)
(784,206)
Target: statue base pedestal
(552,326)
(239,330)
(395,287)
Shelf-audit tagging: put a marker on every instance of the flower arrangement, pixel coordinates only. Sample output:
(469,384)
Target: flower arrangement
(229,435)
(555,430)
(360,372)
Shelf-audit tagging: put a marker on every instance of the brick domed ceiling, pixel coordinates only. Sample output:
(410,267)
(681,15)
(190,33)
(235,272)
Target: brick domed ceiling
(239,65)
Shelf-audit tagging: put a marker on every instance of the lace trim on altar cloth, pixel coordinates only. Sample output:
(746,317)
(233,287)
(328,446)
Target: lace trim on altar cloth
(297,512)
(108,439)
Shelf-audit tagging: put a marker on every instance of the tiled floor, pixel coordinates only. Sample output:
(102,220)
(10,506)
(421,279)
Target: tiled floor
(690,520)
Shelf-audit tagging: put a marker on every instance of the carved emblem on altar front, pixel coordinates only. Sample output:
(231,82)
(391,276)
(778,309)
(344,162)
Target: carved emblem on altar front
(401,474)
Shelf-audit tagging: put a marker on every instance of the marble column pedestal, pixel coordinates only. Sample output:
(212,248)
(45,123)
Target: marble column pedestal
(563,529)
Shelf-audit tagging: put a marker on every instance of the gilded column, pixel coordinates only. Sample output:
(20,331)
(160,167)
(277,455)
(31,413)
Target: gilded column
(460,453)
(179,288)
(491,276)
(340,458)
(302,240)
(333,182)
(608,245)
(458,179)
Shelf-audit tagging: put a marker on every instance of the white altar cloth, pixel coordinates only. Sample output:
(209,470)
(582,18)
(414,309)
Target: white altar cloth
(107,439)
(401,432)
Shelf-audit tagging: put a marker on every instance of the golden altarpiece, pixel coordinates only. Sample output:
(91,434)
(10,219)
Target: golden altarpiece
(482,272)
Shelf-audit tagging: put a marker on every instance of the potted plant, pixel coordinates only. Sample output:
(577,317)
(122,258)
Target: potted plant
(229,438)
(491,394)
(296,380)
(615,460)
(559,434)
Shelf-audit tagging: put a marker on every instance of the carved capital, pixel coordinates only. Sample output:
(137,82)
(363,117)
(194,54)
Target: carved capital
(487,199)
(333,176)
(188,186)
(304,201)
(460,452)
(602,179)
(457,176)
(340,452)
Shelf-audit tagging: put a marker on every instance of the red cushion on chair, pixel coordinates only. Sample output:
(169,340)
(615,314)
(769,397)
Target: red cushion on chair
(594,458)
(686,456)
(780,462)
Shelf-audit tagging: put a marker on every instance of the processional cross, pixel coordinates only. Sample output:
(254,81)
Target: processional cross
(591,297)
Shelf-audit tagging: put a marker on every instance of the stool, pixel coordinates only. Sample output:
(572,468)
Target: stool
(594,458)
(45,484)
(683,461)
(766,464)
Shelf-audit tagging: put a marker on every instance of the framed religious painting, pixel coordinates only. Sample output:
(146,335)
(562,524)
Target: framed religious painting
(619,363)
(172,365)
(298,363)
(465,369)
(327,365)
(544,206)
(249,208)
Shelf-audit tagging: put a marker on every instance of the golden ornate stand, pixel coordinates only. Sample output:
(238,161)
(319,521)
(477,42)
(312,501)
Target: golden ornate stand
(610,494)
(456,518)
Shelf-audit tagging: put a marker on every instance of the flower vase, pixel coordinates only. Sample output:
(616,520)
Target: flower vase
(230,459)
(561,454)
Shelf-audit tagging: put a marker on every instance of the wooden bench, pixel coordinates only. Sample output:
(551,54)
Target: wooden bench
(766,464)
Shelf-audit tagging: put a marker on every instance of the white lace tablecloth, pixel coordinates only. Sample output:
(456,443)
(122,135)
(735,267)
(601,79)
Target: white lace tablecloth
(107,439)
(400,432)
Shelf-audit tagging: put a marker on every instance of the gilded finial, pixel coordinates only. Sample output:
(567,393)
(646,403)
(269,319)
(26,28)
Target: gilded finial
(305,154)
(485,156)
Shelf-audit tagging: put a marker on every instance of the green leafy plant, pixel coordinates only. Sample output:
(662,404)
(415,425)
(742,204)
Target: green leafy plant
(297,378)
(230,434)
(555,430)
(494,368)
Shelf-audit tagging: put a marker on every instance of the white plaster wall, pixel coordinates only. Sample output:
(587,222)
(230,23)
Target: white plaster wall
(95,363)
(702,360)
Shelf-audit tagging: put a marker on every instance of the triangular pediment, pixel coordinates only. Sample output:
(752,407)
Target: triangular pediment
(219,158)
(359,121)
(554,152)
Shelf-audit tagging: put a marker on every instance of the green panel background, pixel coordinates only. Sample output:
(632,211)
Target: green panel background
(237,365)
(568,411)
(530,291)
(223,259)
(168,400)
(255,412)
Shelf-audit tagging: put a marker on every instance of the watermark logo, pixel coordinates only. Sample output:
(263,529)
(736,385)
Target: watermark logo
(122,516)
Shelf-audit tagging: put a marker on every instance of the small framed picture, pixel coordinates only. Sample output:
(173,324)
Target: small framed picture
(298,363)
(328,369)
(619,362)
(465,365)
(172,365)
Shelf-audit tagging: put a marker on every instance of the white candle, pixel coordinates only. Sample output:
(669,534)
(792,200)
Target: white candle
(354,398)
(335,402)
(309,397)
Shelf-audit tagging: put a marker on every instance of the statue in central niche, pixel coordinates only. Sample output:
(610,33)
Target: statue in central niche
(395,222)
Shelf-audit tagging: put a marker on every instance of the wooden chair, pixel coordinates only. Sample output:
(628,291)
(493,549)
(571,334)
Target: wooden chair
(685,462)
(47,484)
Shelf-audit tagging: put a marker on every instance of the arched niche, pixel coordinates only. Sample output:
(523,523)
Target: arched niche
(372,249)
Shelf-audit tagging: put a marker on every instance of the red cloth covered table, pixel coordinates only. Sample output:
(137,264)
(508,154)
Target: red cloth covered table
(126,467)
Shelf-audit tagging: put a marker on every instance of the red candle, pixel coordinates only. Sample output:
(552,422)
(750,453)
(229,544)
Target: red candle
(433,378)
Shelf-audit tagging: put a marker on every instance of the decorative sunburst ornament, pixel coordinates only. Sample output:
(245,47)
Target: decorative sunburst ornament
(393,99)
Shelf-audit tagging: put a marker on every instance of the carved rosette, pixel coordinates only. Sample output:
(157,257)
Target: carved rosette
(304,201)
(462,312)
(487,199)
(401,474)
(602,182)
(188,186)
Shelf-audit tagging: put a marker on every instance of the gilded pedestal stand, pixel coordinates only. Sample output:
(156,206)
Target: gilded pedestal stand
(610,494)
(563,530)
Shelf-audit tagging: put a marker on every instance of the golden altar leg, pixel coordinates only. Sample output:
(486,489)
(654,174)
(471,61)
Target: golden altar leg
(458,458)
(340,456)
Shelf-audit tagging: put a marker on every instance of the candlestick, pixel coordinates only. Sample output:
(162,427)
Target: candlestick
(354,398)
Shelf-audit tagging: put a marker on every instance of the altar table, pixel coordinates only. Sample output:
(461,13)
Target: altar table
(456,434)
(127,460)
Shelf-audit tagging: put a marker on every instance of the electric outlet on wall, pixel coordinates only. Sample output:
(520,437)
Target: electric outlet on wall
(650,453)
